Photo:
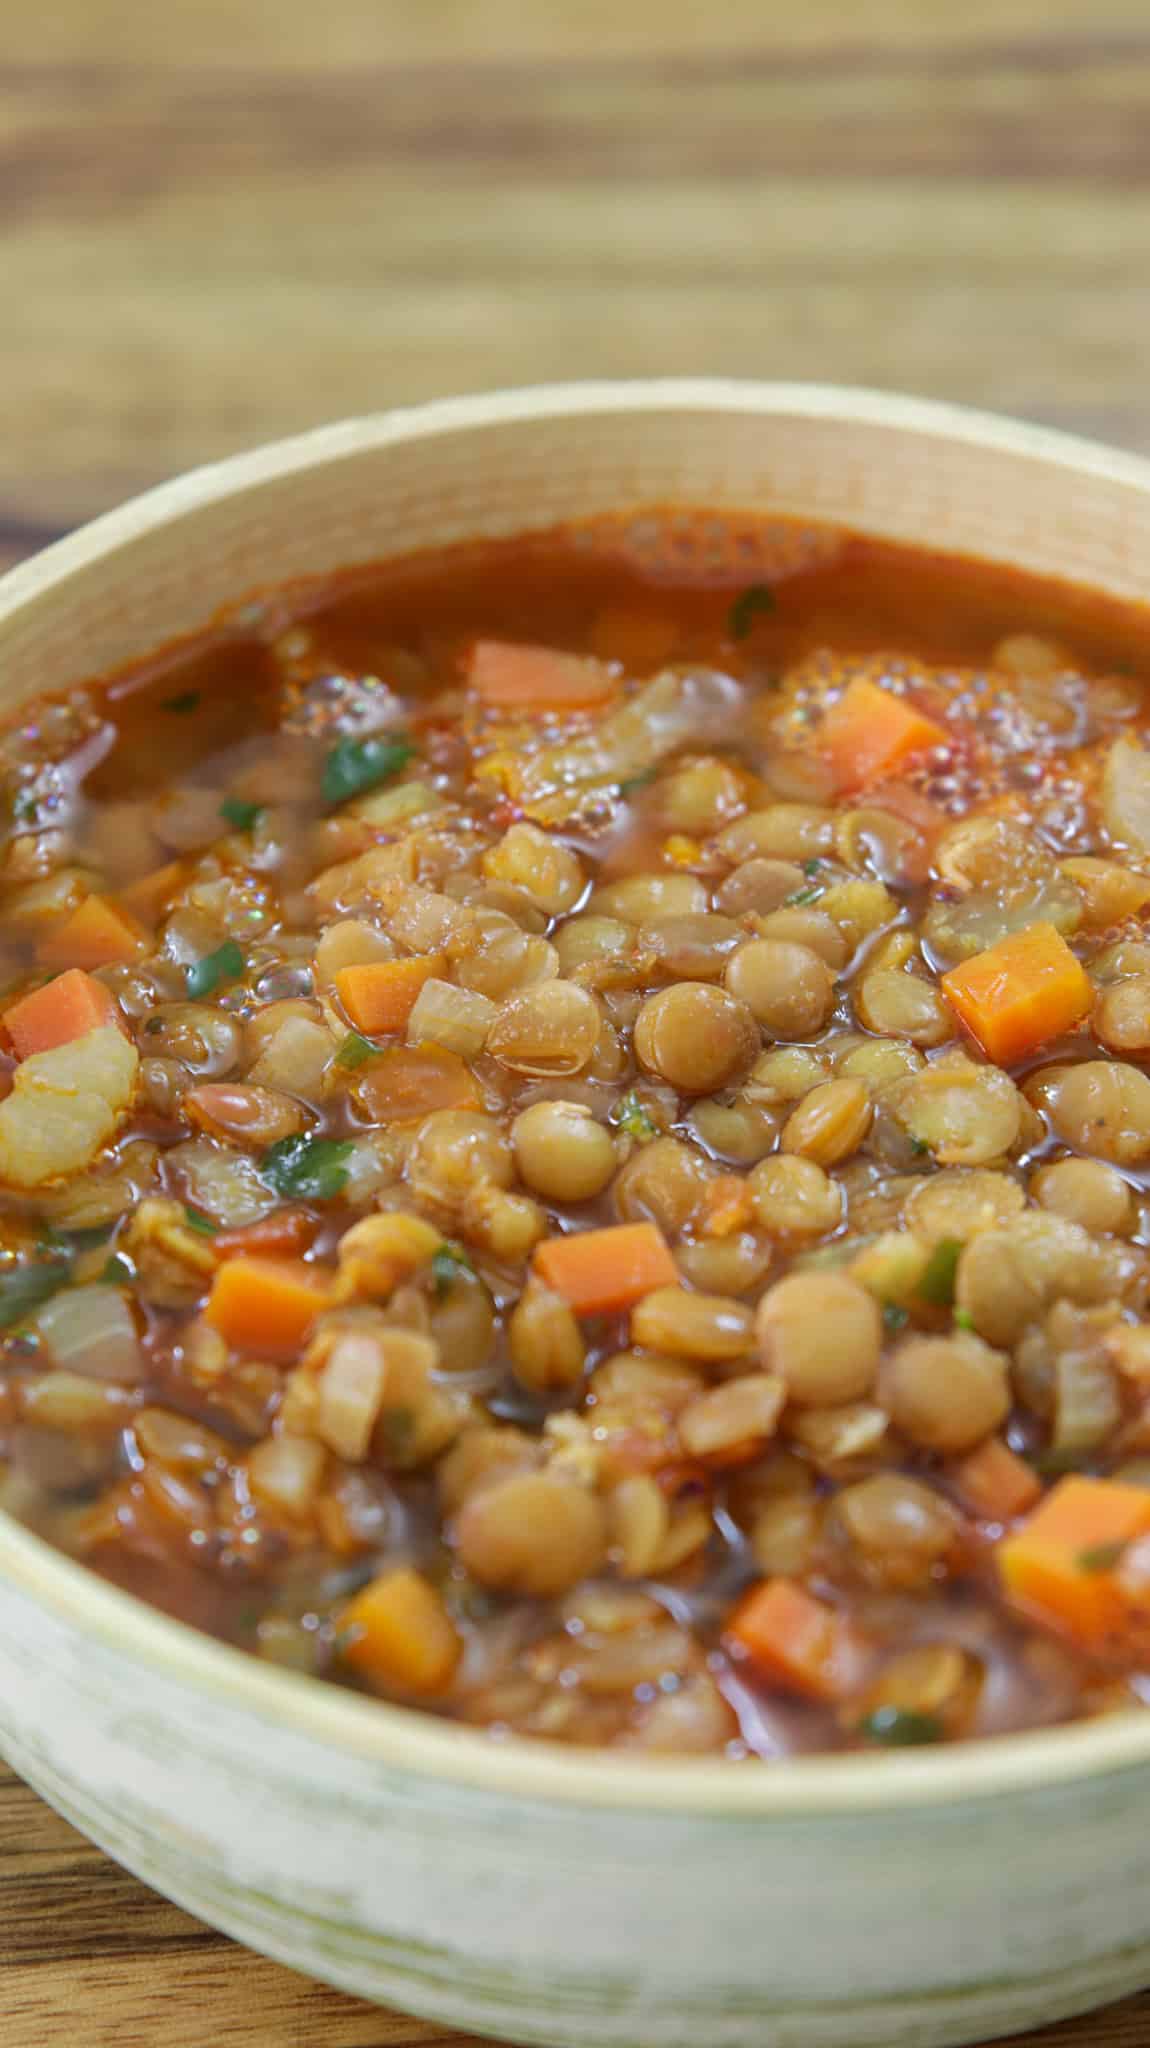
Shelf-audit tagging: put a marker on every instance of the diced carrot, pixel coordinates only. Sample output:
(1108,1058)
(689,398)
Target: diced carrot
(282,1235)
(994,1484)
(600,1272)
(398,1635)
(409,1081)
(509,676)
(98,934)
(801,1644)
(726,1206)
(267,1306)
(870,733)
(1021,992)
(1061,1565)
(380,995)
(148,896)
(64,1009)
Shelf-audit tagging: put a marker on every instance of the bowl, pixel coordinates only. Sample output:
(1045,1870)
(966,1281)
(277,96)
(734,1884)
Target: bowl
(514,1889)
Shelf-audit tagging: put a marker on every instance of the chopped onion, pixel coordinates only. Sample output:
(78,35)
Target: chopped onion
(457,1018)
(285,1472)
(1126,794)
(351,1390)
(295,1058)
(225,1185)
(90,1331)
(1086,1404)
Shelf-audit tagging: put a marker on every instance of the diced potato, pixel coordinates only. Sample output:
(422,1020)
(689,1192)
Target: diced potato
(64,1107)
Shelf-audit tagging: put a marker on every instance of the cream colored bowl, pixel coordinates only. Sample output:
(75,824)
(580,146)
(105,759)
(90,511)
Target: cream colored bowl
(514,1889)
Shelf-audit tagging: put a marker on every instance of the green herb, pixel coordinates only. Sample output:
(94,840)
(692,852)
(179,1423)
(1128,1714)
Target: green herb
(188,700)
(894,1315)
(840,1253)
(640,781)
(225,964)
(447,1264)
(937,1283)
(87,1240)
(202,1224)
(963,1319)
(1101,1557)
(307,1169)
(240,814)
(153,1025)
(747,607)
(24,1288)
(1054,1464)
(355,765)
(812,867)
(919,1147)
(117,1271)
(53,1244)
(354,1050)
(25,805)
(632,1117)
(803,896)
(397,1427)
(900,1728)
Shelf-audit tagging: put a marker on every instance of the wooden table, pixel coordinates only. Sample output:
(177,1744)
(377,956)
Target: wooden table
(222,220)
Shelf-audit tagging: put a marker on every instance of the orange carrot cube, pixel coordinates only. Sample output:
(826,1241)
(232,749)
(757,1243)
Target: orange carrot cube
(64,1009)
(870,733)
(267,1306)
(600,1272)
(98,934)
(380,995)
(1061,1565)
(1021,992)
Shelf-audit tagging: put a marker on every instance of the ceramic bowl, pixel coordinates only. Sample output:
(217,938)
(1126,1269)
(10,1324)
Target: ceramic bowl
(515,1889)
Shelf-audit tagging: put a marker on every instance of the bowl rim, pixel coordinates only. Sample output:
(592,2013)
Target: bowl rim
(400,1739)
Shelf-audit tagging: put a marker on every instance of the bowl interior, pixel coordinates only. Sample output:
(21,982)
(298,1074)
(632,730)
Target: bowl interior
(467,469)
(472,468)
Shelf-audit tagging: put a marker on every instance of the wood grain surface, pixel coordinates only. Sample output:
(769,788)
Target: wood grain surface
(222,220)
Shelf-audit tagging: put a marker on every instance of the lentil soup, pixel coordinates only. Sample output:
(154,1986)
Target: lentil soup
(574,1135)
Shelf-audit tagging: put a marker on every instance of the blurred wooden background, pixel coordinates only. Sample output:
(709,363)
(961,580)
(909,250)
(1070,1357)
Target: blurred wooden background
(222,220)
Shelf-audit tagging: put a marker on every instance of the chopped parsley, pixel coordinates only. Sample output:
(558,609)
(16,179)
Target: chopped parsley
(803,896)
(397,1428)
(894,1315)
(640,781)
(354,1050)
(117,1271)
(447,1264)
(901,1728)
(1053,1464)
(937,1283)
(812,866)
(225,964)
(1101,1557)
(919,1147)
(748,606)
(25,805)
(24,1288)
(241,814)
(354,766)
(632,1116)
(307,1169)
(53,1244)
(188,700)
(963,1319)
(202,1224)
